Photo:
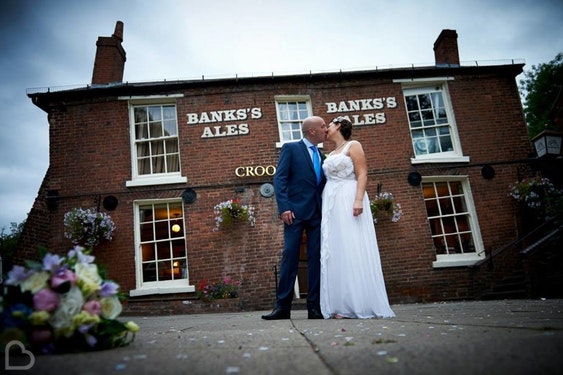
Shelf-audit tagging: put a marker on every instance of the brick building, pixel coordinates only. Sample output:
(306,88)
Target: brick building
(446,140)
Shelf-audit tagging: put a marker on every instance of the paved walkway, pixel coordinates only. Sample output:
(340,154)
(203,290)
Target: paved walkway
(483,337)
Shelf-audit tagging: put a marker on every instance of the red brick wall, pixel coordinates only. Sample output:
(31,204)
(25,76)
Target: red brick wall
(90,158)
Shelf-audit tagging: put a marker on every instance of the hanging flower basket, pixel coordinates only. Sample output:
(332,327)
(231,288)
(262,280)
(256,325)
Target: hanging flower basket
(232,211)
(384,205)
(537,195)
(87,227)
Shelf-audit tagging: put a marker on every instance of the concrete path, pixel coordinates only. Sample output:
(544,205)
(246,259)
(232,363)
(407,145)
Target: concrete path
(482,337)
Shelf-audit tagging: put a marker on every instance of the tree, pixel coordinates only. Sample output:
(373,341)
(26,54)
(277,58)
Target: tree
(8,243)
(541,89)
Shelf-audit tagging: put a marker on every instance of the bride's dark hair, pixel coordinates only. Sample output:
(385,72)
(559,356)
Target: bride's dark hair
(345,127)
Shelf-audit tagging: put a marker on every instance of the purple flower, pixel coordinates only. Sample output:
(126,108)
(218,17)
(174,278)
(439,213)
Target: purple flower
(82,258)
(93,307)
(62,276)
(46,300)
(108,288)
(51,262)
(17,275)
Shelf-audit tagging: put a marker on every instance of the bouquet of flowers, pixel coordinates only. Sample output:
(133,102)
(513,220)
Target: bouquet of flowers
(384,203)
(62,304)
(231,211)
(88,227)
(227,288)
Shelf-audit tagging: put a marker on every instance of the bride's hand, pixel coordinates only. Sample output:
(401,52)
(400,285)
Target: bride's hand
(358,208)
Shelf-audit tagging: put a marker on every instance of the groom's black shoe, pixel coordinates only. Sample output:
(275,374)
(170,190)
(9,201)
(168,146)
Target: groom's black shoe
(278,314)
(315,313)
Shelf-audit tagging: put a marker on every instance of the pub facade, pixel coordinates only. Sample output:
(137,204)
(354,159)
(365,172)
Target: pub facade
(445,140)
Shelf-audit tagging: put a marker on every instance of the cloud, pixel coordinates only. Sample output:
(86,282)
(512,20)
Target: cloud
(53,44)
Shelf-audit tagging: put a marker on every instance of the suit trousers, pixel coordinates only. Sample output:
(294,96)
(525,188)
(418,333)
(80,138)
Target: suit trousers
(290,262)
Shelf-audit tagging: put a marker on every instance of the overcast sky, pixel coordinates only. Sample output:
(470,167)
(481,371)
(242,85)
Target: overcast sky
(53,44)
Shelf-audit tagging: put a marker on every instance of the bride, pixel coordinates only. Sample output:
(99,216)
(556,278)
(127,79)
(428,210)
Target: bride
(352,284)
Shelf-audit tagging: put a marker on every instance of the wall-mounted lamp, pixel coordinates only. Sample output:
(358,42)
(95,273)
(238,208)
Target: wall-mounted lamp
(414,178)
(548,142)
(488,172)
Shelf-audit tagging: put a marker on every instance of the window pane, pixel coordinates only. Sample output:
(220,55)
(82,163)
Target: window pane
(448,217)
(164,271)
(163,250)
(412,103)
(149,272)
(162,123)
(429,110)
(140,114)
(148,252)
(160,247)
(155,113)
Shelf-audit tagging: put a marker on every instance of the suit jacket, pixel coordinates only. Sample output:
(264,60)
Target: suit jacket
(295,182)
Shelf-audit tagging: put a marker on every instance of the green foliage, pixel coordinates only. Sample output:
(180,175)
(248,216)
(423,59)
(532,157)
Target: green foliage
(540,89)
(9,242)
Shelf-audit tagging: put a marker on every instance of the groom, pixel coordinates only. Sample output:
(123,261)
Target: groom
(298,185)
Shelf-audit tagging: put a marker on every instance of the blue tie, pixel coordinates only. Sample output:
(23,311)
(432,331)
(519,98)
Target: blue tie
(316,163)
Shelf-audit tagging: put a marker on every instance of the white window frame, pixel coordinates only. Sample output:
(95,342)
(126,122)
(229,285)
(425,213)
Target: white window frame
(157,287)
(158,178)
(420,86)
(466,259)
(292,98)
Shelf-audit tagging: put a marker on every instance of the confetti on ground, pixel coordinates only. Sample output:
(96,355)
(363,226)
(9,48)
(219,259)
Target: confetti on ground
(120,366)
(381,352)
(349,343)
(246,355)
(182,356)
(232,370)
(264,348)
(221,342)
(392,359)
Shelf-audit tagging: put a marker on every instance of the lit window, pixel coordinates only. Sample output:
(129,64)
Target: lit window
(162,260)
(452,220)
(291,112)
(433,132)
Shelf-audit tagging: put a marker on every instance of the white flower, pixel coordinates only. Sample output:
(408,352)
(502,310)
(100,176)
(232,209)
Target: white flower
(111,307)
(70,305)
(35,282)
(88,273)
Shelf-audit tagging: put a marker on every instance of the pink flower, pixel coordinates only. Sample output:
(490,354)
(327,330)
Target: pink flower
(61,277)
(93,307)
(46,300)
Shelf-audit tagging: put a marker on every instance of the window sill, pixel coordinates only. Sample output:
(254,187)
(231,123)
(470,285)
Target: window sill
(456,260)
(160,180)
(161,290)
(444,159)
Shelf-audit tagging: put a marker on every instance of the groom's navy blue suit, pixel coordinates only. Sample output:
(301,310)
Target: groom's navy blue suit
(297,190)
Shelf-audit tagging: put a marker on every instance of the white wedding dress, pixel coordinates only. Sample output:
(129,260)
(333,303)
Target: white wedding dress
(352,283)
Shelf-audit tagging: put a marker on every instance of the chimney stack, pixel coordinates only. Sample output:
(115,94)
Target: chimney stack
(445,48)
(110,58)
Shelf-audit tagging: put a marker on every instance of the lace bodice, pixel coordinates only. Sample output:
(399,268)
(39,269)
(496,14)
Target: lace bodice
(339,166)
